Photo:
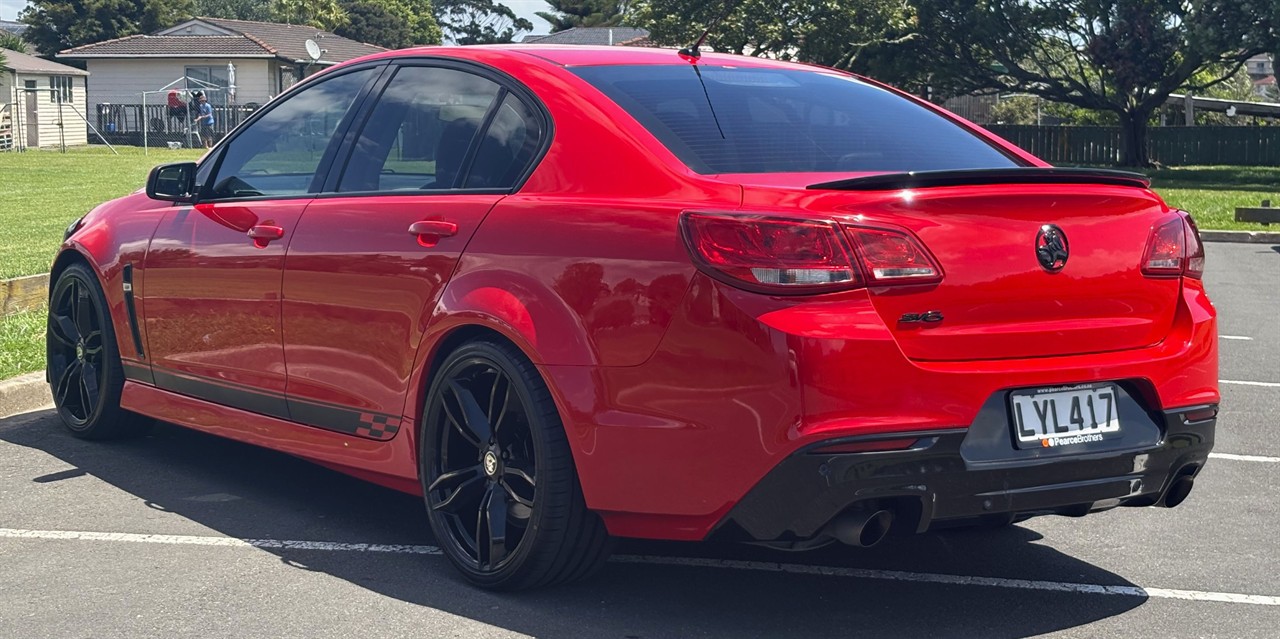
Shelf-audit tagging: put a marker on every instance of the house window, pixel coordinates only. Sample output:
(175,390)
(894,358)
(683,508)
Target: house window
(210,77)
(61,86)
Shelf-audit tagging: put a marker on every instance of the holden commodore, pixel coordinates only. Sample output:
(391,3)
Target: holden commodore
(570,294)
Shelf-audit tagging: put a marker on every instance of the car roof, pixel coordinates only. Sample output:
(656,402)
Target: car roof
(583,55)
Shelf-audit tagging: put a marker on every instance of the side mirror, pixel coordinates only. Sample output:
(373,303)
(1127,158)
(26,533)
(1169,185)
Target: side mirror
(172,182)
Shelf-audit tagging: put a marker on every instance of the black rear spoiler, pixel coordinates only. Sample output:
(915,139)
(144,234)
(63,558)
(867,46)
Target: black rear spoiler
(975,177)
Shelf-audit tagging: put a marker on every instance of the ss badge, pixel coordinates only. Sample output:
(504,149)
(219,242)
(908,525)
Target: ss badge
(929,317)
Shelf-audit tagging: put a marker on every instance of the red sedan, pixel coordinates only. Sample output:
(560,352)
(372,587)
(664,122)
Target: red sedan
(570,294)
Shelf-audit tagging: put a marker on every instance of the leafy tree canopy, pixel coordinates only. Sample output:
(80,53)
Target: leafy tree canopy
(848,35)
(321,14)
(394,24)
(1120,56)
(479,21)
(55,25)
(567,14)
(12,42)
(256,10)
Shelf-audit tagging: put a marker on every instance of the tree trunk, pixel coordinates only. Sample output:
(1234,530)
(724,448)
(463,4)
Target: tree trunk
(1133,139)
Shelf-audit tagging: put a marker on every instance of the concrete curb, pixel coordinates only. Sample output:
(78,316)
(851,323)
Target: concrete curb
(1241,237)
(24,393)
(23,293)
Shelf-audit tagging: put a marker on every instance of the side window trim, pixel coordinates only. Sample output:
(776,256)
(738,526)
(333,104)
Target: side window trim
(507,86)
(331,150)
(477,140)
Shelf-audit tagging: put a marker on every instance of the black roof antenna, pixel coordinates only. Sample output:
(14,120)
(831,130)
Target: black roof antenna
(695,50)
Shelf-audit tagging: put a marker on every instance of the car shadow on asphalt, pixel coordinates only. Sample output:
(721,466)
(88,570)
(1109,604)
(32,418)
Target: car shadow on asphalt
(247,492)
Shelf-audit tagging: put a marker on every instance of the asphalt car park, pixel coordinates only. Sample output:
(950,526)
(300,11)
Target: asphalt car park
(184,534)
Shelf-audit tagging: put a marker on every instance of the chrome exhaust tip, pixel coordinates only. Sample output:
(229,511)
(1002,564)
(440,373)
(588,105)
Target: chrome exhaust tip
(1178,491)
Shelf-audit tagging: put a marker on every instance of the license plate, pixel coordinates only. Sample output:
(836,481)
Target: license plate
(1048,417)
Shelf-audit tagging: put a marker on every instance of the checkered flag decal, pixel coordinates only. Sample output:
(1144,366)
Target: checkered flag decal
(380,427)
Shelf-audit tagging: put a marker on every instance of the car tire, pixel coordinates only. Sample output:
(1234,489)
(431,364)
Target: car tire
(83,361)
(498,478)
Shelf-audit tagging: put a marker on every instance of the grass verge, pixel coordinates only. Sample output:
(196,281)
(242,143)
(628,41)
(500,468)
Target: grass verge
(21,343)
(1212,193)
(41,192)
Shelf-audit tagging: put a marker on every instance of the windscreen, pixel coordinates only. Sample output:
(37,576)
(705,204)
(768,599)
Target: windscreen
(743,120)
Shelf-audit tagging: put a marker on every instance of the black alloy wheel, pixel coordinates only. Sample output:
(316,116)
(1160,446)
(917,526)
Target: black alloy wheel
(84,369)
(498,477)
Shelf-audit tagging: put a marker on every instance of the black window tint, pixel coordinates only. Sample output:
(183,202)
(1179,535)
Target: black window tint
(508,145)
(278,154)
(419,134)
(733,120)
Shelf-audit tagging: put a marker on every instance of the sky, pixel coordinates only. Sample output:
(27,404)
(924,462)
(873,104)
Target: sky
(524,8)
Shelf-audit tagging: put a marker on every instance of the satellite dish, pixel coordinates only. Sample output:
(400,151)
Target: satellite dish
(313,50)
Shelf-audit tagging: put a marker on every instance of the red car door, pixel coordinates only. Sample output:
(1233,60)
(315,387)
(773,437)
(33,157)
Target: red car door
(212,270)
(367,264)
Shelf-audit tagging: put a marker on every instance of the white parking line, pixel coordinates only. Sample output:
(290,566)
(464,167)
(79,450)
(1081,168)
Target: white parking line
(1240,383)
(760,566)
(1248,458)
(1241,337)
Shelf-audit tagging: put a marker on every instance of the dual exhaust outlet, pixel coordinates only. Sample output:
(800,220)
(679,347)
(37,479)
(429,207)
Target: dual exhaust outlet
(866,528)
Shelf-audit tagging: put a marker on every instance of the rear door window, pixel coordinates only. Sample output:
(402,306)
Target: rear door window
(751,120)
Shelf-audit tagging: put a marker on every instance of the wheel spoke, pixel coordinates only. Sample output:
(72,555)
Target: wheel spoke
(473,416)
(512,471)
(499,396)
(93,343)
(491,529)
(455,417)
(66,382)
(82,311)
(528,503)
(460,496)
(454,478)
(89,382)
(63,330)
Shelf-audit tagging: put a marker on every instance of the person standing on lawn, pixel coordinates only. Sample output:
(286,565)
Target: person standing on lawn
(204,117)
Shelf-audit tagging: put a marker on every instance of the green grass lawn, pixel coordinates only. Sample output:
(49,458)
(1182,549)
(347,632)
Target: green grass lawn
(41,192)
(1212,193)
(21,343)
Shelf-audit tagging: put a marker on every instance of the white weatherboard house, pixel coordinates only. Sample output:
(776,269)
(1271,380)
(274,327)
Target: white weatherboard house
(41,103)
(202,54)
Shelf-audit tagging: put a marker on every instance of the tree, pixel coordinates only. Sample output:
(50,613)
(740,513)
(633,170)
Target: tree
(394,24)
(234,9)
(1120,56)
(321,14)
(55,25)
(12,41)
(864,37)
(568,14)
(479,21)
(376,23)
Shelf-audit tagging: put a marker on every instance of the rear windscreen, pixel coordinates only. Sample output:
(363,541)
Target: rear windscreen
(734,120)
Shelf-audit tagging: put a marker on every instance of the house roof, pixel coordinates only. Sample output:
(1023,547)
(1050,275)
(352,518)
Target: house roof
(1266,80)
(236,46)
(243,39)
(12,27)
(289,40)
(589,35)
(23,63)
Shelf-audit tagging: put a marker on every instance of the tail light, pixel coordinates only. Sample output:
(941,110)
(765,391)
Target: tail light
(1174,249)
(771,254)
(894,257)
(786,255)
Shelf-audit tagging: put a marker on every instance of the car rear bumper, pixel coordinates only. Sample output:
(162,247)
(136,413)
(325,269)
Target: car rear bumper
(943,479)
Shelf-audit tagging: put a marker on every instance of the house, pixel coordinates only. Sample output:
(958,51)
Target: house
(1259,66)
(12,27)
(42,103)
(606,36)
(238,64)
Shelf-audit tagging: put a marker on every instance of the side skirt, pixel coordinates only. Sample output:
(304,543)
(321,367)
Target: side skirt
(391,464)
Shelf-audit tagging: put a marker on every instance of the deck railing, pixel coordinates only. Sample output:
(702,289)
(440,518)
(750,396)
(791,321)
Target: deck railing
(157,125)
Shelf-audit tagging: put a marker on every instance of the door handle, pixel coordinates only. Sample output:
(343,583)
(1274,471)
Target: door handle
(429,232)
(263,234)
